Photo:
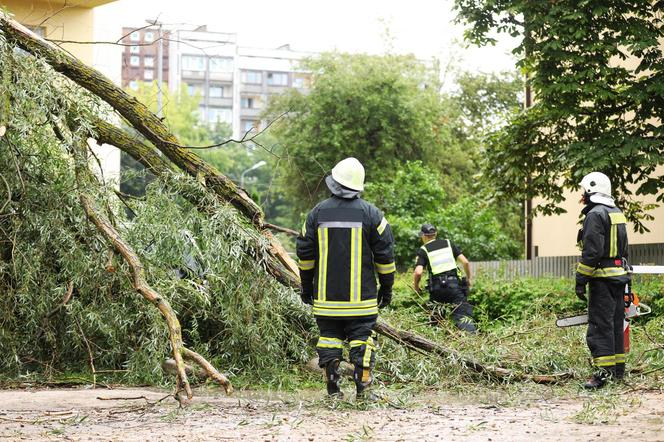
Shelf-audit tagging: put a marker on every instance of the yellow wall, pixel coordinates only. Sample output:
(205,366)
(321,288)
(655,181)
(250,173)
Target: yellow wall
(556,235)
(61,23)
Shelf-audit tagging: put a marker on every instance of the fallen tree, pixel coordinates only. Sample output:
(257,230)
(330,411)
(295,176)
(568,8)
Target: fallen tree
(204,187)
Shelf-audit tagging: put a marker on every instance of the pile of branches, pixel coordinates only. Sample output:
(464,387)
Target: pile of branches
(75,274)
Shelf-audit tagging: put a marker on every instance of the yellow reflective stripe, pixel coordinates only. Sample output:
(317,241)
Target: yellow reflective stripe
(345,312)
(613,244)
(304,228)
(366,361)
(600,272)
(584,269)
(322,262)
(620,358)
(617,218)
(345,304)
(381,226)
(356,264)
(306,264)
(605,361)
(324,342)
(357,343)
(385,269)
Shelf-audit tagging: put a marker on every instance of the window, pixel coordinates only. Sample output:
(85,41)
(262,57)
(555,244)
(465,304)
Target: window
(298,82)
(133,85)
(134,60)
(216,91)
(134,50)
(219,64)
(149,37)
(148,62)
(194,89)
(247,102)
(277,78)
(193,63)
(220,115)
(135,36)
(253,77)
(248,125)
(148,74)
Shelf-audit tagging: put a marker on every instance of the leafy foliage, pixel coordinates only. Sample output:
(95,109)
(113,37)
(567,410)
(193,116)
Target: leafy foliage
(596,68)
(414,196)
(230,309)
(382,110)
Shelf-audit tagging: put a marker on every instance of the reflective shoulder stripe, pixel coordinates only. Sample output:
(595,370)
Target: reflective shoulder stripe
(381,226)
(341,224)
(385,269)
(617,218)
(306,264)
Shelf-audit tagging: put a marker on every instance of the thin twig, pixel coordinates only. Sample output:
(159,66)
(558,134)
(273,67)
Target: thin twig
(91,358)
(281,229)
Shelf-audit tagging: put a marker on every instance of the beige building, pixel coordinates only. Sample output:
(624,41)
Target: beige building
(59,20)
(556,235)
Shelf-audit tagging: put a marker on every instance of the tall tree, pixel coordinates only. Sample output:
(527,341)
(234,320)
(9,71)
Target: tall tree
(596,68)
(382,110)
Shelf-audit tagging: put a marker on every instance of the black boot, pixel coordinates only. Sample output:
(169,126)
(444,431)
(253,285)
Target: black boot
(333,378)
(598,380)
(363,380)
(620,371)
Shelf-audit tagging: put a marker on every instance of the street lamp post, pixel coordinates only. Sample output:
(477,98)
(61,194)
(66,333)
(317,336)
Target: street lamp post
(254,167)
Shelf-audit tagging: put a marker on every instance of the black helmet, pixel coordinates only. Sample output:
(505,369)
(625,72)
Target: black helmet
(428,229)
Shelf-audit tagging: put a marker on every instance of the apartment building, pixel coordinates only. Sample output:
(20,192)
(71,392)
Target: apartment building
(234,82)
(141,55)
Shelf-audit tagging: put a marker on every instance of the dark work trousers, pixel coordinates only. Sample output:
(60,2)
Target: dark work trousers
(606,313)
(451,292)
(358,333)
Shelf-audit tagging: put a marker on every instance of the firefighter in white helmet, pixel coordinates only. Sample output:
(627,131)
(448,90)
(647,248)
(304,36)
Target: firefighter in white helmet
(345,241)
(603,267)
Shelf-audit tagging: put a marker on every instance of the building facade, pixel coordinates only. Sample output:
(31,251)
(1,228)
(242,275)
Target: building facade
(234,82)
(140,56)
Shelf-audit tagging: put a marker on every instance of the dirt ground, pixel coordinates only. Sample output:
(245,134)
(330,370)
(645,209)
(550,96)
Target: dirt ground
(119,414)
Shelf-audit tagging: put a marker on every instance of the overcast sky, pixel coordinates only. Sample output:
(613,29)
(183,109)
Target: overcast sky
(422,27)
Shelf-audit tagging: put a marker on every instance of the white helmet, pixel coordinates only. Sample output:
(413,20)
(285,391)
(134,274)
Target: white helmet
(598,186)
(349,173)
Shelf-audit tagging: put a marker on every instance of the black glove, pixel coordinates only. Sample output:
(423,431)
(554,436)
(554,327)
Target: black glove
(580,291)
(384,297)
(307,296)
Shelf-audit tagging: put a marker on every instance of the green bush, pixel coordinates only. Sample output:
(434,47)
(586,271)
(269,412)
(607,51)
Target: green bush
(415,196)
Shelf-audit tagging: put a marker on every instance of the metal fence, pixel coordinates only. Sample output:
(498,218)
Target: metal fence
(562,266)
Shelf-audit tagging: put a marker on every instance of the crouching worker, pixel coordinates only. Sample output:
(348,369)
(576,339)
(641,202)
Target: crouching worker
(445,286)
(344,242)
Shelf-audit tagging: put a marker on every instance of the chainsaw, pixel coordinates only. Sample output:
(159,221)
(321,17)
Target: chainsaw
(633,307)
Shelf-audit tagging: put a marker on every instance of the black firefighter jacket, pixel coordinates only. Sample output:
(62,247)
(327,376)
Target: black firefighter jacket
(344,243)
(603,241)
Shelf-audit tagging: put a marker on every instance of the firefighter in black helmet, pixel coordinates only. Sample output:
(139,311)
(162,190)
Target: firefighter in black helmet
(440,257)
(603,264)
(345,242)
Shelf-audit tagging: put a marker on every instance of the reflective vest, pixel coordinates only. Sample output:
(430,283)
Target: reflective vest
(441,259)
